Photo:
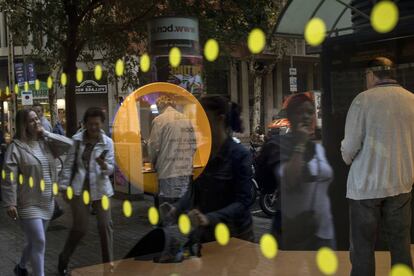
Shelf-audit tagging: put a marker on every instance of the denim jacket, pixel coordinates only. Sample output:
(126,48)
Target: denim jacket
(99,182)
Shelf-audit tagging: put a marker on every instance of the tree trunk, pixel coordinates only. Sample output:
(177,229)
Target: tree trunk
(70,97)
(257,104)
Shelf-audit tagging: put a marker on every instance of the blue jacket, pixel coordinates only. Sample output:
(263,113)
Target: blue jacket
(223,191)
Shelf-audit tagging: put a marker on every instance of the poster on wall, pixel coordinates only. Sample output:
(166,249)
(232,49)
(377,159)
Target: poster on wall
(188,74)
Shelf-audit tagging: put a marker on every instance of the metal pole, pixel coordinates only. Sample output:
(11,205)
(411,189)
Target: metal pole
(13,106)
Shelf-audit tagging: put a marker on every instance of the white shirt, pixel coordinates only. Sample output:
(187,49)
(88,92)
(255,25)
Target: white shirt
(311,196)
(172,144)
(379,143)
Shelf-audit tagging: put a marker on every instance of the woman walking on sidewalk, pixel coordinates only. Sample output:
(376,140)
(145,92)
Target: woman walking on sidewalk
(30,160)
(87,168)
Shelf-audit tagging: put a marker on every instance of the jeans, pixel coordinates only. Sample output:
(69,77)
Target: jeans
(394,213)
(34,250)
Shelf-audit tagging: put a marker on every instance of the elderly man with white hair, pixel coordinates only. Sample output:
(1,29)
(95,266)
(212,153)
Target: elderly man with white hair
(172,145)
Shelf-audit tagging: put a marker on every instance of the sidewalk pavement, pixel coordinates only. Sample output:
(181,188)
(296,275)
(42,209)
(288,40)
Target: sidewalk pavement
(127,231)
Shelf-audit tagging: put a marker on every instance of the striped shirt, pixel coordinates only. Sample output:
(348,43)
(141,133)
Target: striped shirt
(44,208)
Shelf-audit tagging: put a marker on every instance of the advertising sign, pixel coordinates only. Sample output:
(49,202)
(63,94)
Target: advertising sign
(187,74)
(168,32)
(31,74)
(19,73)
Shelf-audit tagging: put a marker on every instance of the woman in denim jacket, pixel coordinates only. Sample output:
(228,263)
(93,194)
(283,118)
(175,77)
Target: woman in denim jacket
(87,168)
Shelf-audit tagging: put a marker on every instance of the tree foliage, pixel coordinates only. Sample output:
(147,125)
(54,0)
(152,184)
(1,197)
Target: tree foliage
(63,32)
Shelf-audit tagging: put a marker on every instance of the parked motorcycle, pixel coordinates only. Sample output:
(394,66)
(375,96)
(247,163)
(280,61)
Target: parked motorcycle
(269,202)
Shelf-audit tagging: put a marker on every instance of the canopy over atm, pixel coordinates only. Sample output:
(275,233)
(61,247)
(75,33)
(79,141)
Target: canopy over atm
(341,17)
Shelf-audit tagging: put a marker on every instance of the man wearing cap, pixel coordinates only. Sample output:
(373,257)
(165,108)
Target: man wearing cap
(172,145)
(379,146)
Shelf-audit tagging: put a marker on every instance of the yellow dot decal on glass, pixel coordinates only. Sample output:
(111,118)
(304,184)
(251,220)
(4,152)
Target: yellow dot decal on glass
(11,176)
(256,41)
(401,270)
(63,79)
(105,203)
(69,192)
(16,89)
(327,261)
(211,50)
(222,234)
(7,91)
(49,82)
(268,246)
(127,208)
(384,16)
(119,67)
(98,72)
(86,197)
(153,215)
(79,75)
(55,189)
(315,31)
(31,182)
(26,86)
(184,224)
(42,185)
(3,174)
(37,84)
(175,57)
(145,63)
(21,179)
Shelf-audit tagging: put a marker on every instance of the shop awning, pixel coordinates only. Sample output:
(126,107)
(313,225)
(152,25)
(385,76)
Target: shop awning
(341,17)
(335,13)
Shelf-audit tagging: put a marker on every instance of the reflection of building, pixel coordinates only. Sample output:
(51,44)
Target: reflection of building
(28,68)
(350,45)
(232,77)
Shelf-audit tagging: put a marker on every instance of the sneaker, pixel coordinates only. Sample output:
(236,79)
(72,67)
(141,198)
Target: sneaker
(62,267)
(18,271)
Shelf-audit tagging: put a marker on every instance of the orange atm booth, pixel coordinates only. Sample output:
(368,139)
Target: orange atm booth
(132,128)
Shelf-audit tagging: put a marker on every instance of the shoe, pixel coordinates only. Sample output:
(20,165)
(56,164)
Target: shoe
(18,271)
(62,267)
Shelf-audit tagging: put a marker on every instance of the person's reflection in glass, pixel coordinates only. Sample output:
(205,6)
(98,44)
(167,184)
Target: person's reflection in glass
(304,175)
(171,149)
(222,193)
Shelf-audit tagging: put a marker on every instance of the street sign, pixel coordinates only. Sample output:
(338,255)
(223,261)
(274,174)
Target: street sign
(292,71)
(27,97)
(293,80)
(293,88)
